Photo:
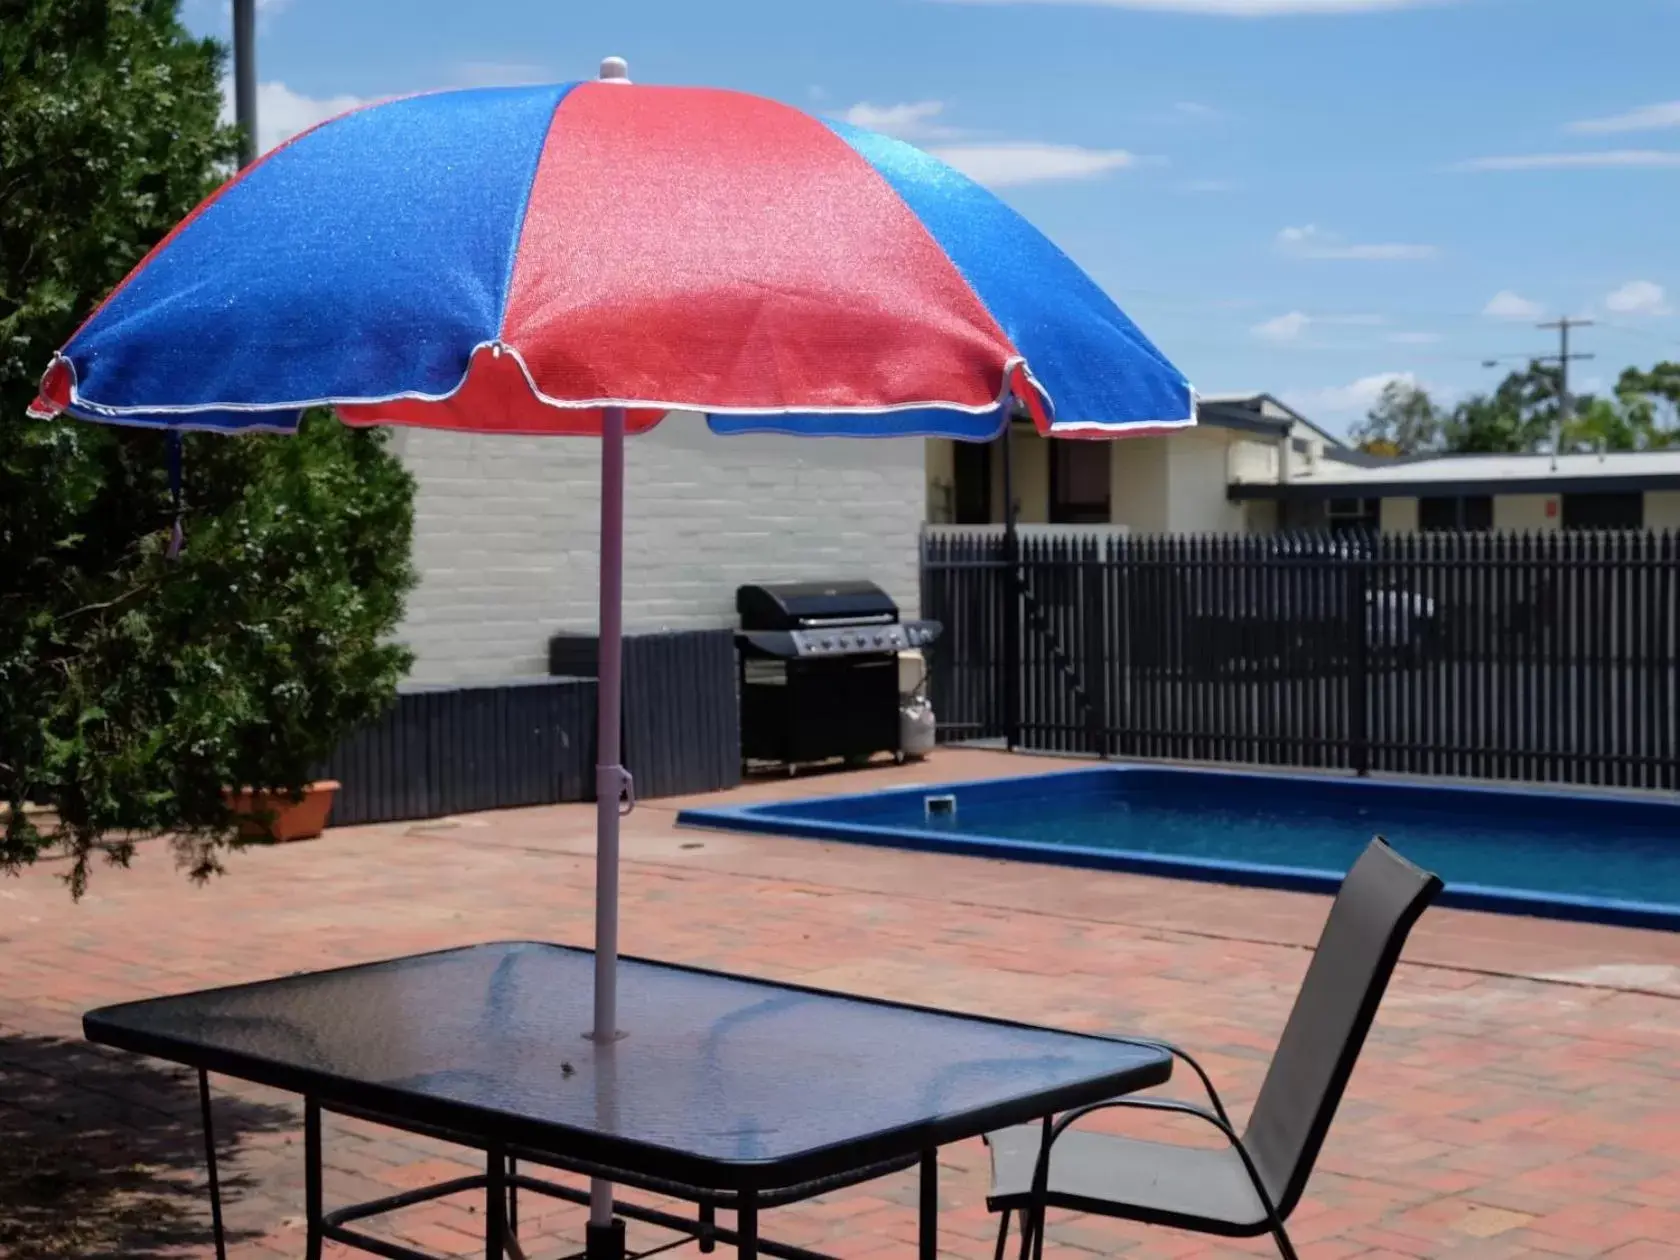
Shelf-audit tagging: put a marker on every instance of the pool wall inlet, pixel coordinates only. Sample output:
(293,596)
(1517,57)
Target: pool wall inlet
(864,819)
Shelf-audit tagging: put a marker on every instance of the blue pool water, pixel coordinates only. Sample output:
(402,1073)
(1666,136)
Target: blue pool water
(1576,856)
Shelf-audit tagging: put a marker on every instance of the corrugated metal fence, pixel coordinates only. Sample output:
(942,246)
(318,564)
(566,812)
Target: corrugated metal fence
(682,719)
(451,750)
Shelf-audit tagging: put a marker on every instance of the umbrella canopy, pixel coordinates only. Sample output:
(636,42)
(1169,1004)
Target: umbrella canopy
(584,259)
(517,259)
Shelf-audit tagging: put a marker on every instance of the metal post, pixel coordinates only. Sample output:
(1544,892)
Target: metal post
(1012,591)
(604,1236)
(495,1205)
(611,780)
(217,1232)
(928,1230)
(245,77)
(312,1197)
(1358,600)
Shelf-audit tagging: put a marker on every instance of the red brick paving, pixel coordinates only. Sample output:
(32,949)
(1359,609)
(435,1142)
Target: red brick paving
(1520,1095)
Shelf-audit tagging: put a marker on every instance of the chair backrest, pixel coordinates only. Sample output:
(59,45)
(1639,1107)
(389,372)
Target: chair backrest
(1378,903)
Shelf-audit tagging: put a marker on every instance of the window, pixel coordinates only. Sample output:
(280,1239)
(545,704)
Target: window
(972,471)
(1604,511)
(1079,478)
(1358,516)
(1302,514)
(1456,512)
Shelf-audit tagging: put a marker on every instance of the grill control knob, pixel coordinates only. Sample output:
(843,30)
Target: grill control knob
(845,640)
(828,644)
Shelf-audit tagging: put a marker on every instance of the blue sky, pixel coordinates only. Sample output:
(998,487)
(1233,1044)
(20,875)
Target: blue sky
(1305,197)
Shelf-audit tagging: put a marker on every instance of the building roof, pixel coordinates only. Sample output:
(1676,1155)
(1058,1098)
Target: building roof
(1334,477)
(1258,412)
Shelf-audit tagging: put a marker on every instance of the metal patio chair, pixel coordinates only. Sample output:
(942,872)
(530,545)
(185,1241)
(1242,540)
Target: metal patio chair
(1249,1187)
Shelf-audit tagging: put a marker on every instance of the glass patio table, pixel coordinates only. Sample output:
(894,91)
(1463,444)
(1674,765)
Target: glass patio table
(724,1092)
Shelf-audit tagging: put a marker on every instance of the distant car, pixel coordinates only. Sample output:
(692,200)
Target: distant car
(1296,616)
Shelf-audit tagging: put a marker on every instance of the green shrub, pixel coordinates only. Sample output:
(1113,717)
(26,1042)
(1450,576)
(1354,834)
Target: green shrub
(134,688)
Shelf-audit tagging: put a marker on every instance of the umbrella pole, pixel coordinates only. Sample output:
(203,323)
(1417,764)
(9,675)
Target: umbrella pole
(606,1236)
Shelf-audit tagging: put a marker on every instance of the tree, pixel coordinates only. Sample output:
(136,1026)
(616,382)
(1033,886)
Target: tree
(1518,416)
(134,687)
(1650,402)
(1404,421)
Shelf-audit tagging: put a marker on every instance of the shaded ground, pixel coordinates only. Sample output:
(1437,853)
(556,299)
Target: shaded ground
(100,1152)
(1520,1095)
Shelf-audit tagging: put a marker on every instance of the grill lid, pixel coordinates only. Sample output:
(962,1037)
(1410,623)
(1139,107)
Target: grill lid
(792,605)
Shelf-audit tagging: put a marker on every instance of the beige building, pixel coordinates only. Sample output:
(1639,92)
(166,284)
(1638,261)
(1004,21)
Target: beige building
(1175,484)
(1254,465)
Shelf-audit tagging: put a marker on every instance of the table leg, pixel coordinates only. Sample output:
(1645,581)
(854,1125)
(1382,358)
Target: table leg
(495,1204)
(929,1249)
(210,1162)
(708,1224)
(312,1178)
(746,1226)
(1032,1216)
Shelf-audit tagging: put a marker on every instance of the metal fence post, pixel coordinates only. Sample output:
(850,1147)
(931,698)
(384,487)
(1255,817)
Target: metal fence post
(1094,659)
(1359,658)
(1011,601)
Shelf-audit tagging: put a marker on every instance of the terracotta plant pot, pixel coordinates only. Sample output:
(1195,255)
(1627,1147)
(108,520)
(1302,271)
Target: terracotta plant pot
(278,818)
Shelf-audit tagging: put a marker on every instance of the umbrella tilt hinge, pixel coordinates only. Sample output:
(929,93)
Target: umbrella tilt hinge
(617,783)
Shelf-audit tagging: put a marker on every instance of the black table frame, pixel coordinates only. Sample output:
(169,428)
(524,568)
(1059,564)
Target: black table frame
(745,1189)
(501,1181)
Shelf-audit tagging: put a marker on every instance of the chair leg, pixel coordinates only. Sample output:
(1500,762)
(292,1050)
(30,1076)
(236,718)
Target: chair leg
(1003,1234)
(1032,1232)
(1285,1248)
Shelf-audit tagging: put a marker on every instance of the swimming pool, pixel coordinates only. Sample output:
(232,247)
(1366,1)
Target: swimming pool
(1606,859)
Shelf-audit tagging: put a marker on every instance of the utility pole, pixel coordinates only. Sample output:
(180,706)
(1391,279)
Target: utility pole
(245,78)
(1563,360)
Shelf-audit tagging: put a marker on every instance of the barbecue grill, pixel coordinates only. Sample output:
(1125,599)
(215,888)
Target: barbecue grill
(819,671)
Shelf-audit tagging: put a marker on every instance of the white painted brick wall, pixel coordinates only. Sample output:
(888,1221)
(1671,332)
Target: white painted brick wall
(506,531)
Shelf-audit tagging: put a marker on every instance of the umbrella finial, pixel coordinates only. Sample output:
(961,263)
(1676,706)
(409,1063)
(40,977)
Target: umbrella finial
(615,70)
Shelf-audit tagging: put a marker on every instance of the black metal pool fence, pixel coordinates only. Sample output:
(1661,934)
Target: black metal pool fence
(1532,657)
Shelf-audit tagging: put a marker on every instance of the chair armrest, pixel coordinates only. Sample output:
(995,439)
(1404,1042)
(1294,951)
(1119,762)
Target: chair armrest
(1052,1131)
(1184,1056)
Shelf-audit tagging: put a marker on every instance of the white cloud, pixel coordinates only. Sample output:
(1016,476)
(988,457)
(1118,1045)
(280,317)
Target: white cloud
(999,163)
(911,120)
(1596,160)
(1339,406)
(1414,338)
(1287,329)
(282,113)
(1024,162)
(1645,118)
(1313,242)
(1234,8)
(1638,297)
(1282,328)
(1508,305)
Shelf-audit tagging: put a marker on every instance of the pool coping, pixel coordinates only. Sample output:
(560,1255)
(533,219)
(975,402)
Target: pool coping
(773,818)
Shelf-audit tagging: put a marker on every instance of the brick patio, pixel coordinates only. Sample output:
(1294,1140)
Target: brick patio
(1520,1094)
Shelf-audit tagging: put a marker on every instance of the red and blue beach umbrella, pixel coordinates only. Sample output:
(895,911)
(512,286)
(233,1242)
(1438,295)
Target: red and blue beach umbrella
(517,259)
(586,258)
